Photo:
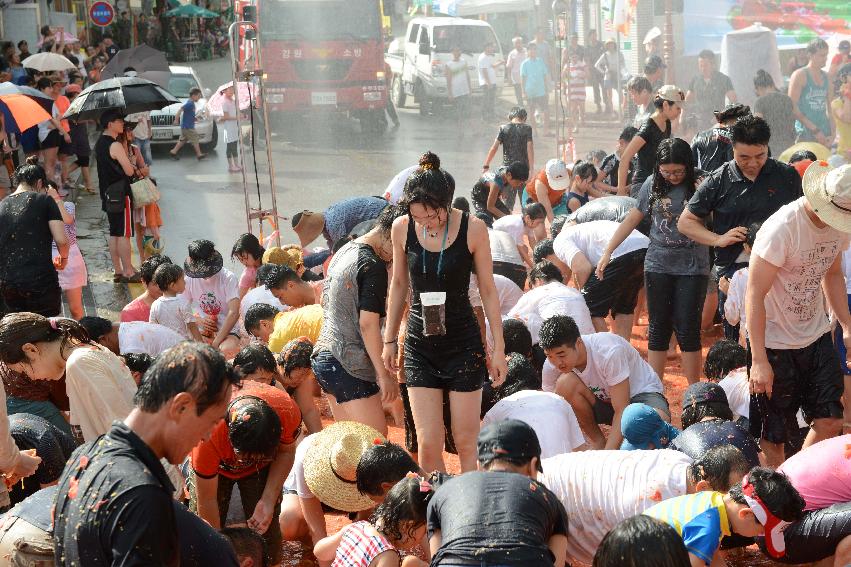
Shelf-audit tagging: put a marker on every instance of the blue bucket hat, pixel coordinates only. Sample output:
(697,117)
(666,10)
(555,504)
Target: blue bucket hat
(641,425)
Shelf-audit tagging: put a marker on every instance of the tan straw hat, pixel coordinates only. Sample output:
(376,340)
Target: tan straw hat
(828,191)
(331,463)
(309,226)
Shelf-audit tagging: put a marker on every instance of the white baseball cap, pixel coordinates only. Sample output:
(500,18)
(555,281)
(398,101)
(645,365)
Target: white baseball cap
(558,177)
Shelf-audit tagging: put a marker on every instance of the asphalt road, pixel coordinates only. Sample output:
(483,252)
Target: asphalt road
(318,159)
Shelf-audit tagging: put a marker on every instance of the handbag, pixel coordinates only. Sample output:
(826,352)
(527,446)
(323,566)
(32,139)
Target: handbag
(115,194)
(144,192)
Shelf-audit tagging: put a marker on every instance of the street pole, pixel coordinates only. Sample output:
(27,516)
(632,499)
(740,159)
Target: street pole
(669,41)
(559,7)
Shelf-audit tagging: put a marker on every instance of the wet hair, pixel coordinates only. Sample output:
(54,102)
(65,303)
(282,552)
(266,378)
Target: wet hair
(149,267)
(638,84)
(723,357)
(247,543)
(628,133)
(775,491)
(247,244)
(557,331)
(557,225)
(195,368)
(279,277)
(388,214)
(295,354)
(138,361)
(297,218)
(801,155)
(44,83)
(543,249)
(518,171)
(405,502)
(381,463)
(750,237)
(255,357)
(96,327)
(672,151)
(695,413)
(535,211)
(254,427)
(22,42)
(517,112)
(521,376)
(544,271)
(707,55)
(264,273)
(816,45)
(256,313)
(763,80)
(428,186)
(167,275)
(30,173)
(716,466)
(194,91)
(18,329)
(462,204)
(517,337)
(642,541)
(750,130)
(585,170)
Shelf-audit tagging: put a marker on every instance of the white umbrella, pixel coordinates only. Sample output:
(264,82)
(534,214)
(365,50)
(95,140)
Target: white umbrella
(47,61)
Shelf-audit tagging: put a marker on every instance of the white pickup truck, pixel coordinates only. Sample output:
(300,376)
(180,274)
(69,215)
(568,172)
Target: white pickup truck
(417,61)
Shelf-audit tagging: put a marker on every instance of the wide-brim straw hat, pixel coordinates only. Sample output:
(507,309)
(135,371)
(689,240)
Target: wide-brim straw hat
(309,227)
(828,190)
(330,465)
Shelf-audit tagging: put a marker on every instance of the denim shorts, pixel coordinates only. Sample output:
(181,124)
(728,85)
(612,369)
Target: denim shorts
(335,381)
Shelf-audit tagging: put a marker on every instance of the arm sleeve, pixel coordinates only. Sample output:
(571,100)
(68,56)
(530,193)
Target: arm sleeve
(141,529)
(735,302)
(53,212)
(186,312)
(644,131)
(643,200)
(616,366)
(772,243)
(702,203)
(702,535)
(433,515)
(205,457)
(372,284)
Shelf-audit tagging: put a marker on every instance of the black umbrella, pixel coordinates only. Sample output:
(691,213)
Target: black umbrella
(148,62)
(125,94)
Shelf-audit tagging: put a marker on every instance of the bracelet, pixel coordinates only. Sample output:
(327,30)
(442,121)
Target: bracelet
(486,167)
(394,341)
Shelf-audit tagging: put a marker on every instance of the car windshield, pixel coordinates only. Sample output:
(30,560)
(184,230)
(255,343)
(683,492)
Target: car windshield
(471,39)
(180,85)
(320,19)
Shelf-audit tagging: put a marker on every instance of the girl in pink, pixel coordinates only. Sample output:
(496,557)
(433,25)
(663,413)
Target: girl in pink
(74,276)
(248,250)
(399,523)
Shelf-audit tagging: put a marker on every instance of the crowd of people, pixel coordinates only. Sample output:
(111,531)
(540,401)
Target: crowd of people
(500,329)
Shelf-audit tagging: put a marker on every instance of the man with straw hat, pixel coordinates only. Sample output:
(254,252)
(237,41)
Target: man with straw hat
(337,220)
(795,266)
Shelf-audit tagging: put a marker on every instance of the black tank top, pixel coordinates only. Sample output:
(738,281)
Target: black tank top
(109,170)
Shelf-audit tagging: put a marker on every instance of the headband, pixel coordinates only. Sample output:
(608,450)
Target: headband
(774,526)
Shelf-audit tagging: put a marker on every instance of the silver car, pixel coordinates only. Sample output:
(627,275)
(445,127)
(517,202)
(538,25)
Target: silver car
(184,79)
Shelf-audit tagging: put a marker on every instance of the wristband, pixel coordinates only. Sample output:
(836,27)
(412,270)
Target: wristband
(394,341)
(486,167)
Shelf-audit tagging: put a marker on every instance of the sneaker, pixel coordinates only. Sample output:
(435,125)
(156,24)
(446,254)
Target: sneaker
(175,157)
(202,157)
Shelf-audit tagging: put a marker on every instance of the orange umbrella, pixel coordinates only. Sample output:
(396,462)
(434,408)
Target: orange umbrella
(26,112)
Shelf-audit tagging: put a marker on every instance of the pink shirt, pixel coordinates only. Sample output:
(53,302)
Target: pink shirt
(822,472)
(248,278)
(136,310)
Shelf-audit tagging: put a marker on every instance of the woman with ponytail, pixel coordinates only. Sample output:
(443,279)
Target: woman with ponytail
(435,250)
(100,386)
(30,221)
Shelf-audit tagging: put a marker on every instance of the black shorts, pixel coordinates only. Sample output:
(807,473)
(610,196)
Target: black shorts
(53,140)
(232,150)
(122,224)
(808,378)
(617,293)
(816,536)
(82,161)
(604,412)
(335,381)
(65,148)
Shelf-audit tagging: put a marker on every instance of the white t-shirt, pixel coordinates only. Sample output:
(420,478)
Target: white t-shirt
(549,376)
(487,73)
(509,293)
(735,385)
(514,226)
(514,61)
(174,313)
(142,130)
(599,489)
(394,190)
(149,338)
(503,248)
(795,304)
(259,294)
(548,414)
(456,72)
(591,238)
(214,291)
(229,127)
(734,305)
(611,360)
(539,304)
(295,480)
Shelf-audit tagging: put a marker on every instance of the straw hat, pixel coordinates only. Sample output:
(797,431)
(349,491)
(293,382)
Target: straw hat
(289,256)
(828,191)
(331,462)
(309,226)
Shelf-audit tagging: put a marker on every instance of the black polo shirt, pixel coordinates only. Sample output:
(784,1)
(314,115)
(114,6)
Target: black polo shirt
(734,200)
(114,505)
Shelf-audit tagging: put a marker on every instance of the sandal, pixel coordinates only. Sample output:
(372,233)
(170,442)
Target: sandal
(135,278)
(116,277)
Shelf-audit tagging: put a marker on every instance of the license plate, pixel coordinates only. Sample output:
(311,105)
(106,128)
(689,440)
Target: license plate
(162,134)
(372,96)
(319,99)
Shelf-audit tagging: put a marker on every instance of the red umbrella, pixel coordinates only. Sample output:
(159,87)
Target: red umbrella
(26,112)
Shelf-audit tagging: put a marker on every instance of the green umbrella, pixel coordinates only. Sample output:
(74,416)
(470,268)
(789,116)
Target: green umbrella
(191,11)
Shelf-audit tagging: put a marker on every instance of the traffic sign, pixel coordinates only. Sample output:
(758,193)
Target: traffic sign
(102,13)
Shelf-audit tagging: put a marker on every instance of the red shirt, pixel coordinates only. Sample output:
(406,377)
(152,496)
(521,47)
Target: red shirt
(136,310)
(216,455)
(554,195)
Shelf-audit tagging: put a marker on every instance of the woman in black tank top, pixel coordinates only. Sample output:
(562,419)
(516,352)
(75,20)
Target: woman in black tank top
(435,249)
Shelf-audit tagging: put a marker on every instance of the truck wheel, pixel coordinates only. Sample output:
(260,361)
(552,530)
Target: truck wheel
(398,92)
(373,123)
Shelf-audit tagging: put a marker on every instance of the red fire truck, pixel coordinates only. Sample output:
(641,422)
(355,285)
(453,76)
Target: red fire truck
(324,55)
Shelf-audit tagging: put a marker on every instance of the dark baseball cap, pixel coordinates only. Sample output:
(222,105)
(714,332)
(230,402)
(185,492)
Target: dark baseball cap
(110,116)
(844,45)
(704,392)
(511,440)
(655,61)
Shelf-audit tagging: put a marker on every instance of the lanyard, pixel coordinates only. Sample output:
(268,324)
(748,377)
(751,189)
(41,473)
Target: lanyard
(442,248)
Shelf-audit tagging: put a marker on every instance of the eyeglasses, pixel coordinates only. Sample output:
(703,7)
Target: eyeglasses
(672,172)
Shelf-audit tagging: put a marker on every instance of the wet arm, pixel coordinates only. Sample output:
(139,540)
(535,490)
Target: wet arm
(399,281)
(581,268)
(230,320)
(206,490)
(623,167)
(493,195)
(492,152)
(619,394)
